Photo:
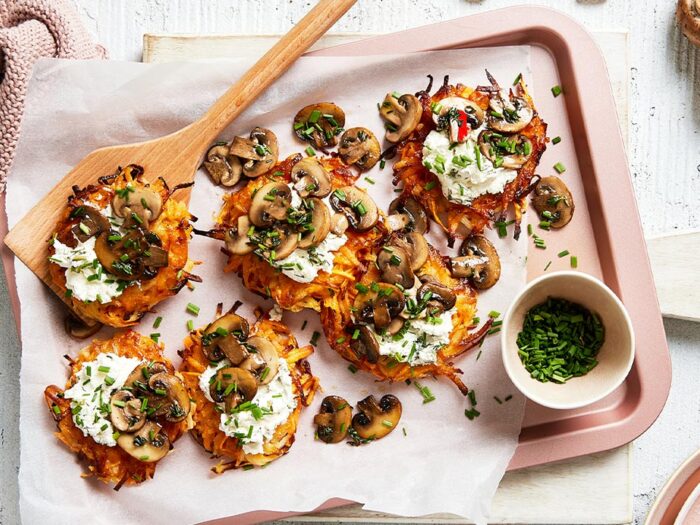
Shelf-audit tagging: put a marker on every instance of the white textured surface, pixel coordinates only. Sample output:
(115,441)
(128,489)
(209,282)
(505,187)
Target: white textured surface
(664,157)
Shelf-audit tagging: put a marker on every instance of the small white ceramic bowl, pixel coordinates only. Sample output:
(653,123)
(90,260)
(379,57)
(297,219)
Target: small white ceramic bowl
(614,358)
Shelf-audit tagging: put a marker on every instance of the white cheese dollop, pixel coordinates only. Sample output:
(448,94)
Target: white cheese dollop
(304,265)
(95,383)
(271,406)
(420,343)
(85,276)
(463,177)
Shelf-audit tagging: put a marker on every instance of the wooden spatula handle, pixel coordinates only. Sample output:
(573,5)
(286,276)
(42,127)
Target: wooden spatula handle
(266,70)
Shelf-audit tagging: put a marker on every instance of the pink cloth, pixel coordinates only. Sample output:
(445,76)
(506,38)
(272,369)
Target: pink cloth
(29,30)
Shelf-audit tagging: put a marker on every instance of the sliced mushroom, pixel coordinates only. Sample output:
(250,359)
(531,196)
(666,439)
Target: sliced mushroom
(258,153)
(553,201)
(122,257)
(333,420)
(92,223)
(149,444)
(80,328)
(508,112)
(401,114)
(478,261)
(137,381)
(317,230)
(359,147)
(394,263)
(458,116)
(415,245)
(310,178)
(170,397)
(438,297)
(379,305)
(409,215)
(339,223)
(320,124)
(357,206)
(395,325)
(365,345)
(508,151)
(237,240)
(376,420)
(224,338)
(263,360)
(223,167)
(280,243)
(233,386)
(140,205)
(125,411)
(270,203)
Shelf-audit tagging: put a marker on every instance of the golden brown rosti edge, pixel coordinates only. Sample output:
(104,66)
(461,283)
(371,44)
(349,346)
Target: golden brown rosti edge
(458,220)
(207,416)
(172,227)
(111,465)
(262,278)
(337,315)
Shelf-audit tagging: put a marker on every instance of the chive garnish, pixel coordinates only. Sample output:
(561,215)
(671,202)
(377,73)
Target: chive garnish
(563,254)
(559,168)
(193,309)
(574,261)
(314,338)
(556,140)
(157,322)
(310,151)
(556,90)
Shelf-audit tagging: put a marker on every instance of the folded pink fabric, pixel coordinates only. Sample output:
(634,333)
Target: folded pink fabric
(29,30)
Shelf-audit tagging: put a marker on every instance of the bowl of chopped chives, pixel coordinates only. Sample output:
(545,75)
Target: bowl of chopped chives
(567,340)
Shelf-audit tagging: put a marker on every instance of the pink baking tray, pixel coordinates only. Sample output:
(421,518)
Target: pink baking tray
(605,234)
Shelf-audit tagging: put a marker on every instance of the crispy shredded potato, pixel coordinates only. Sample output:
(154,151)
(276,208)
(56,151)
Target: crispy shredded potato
(206,417)
(172,227)
(260,277)
(457,220)
(336,315)
(109,464)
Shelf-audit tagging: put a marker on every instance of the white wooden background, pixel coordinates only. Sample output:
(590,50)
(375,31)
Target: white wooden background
(664,153)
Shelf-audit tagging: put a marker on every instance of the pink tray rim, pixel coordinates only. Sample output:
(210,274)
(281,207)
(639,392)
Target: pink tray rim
(601,153)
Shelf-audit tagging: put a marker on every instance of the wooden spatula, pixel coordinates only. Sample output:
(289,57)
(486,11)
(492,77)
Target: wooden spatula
(177,156)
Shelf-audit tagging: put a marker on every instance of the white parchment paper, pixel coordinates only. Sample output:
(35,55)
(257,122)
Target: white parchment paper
(443,462)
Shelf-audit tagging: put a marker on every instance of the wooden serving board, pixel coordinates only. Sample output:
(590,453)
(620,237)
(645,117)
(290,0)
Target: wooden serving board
(594,489)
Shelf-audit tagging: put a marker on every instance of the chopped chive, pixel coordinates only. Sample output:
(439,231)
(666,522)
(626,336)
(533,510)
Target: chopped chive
(563,254)
(559,167)
(310,151)
(190,325)
(314,338)
(352,368)
(193,309)
(518,79)
(382,163)
(548,265)
(493,314)
(56,410)
(157,322)
(155,337)
(472,413)
(529,230)
(430,185)
(556,140)
(103,369)
(340,340)
(574,261)
(556,90)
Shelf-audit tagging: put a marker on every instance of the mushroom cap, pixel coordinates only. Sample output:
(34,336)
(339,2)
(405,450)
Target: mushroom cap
(394,263)
(142,202)
(270,203)
(137,380)
(553,201)
(475,115)
(170,397)
(320,124)
(258,153)
(379,305)
(80,328)
(413,211)
(365,345)
(339,223)
(224,337)
(310,178)
(441,296)
(233,386)
(478,261)
(415,246)
(125,411)
(284,242)
(508,151)
(509,116)
(320,224)
(224,169)
(333,419)
(149,444)
(377,419)
(91,220)
(402,115)
(359,147)
(263,360)
(135,256)
(357,206)
(236,239)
